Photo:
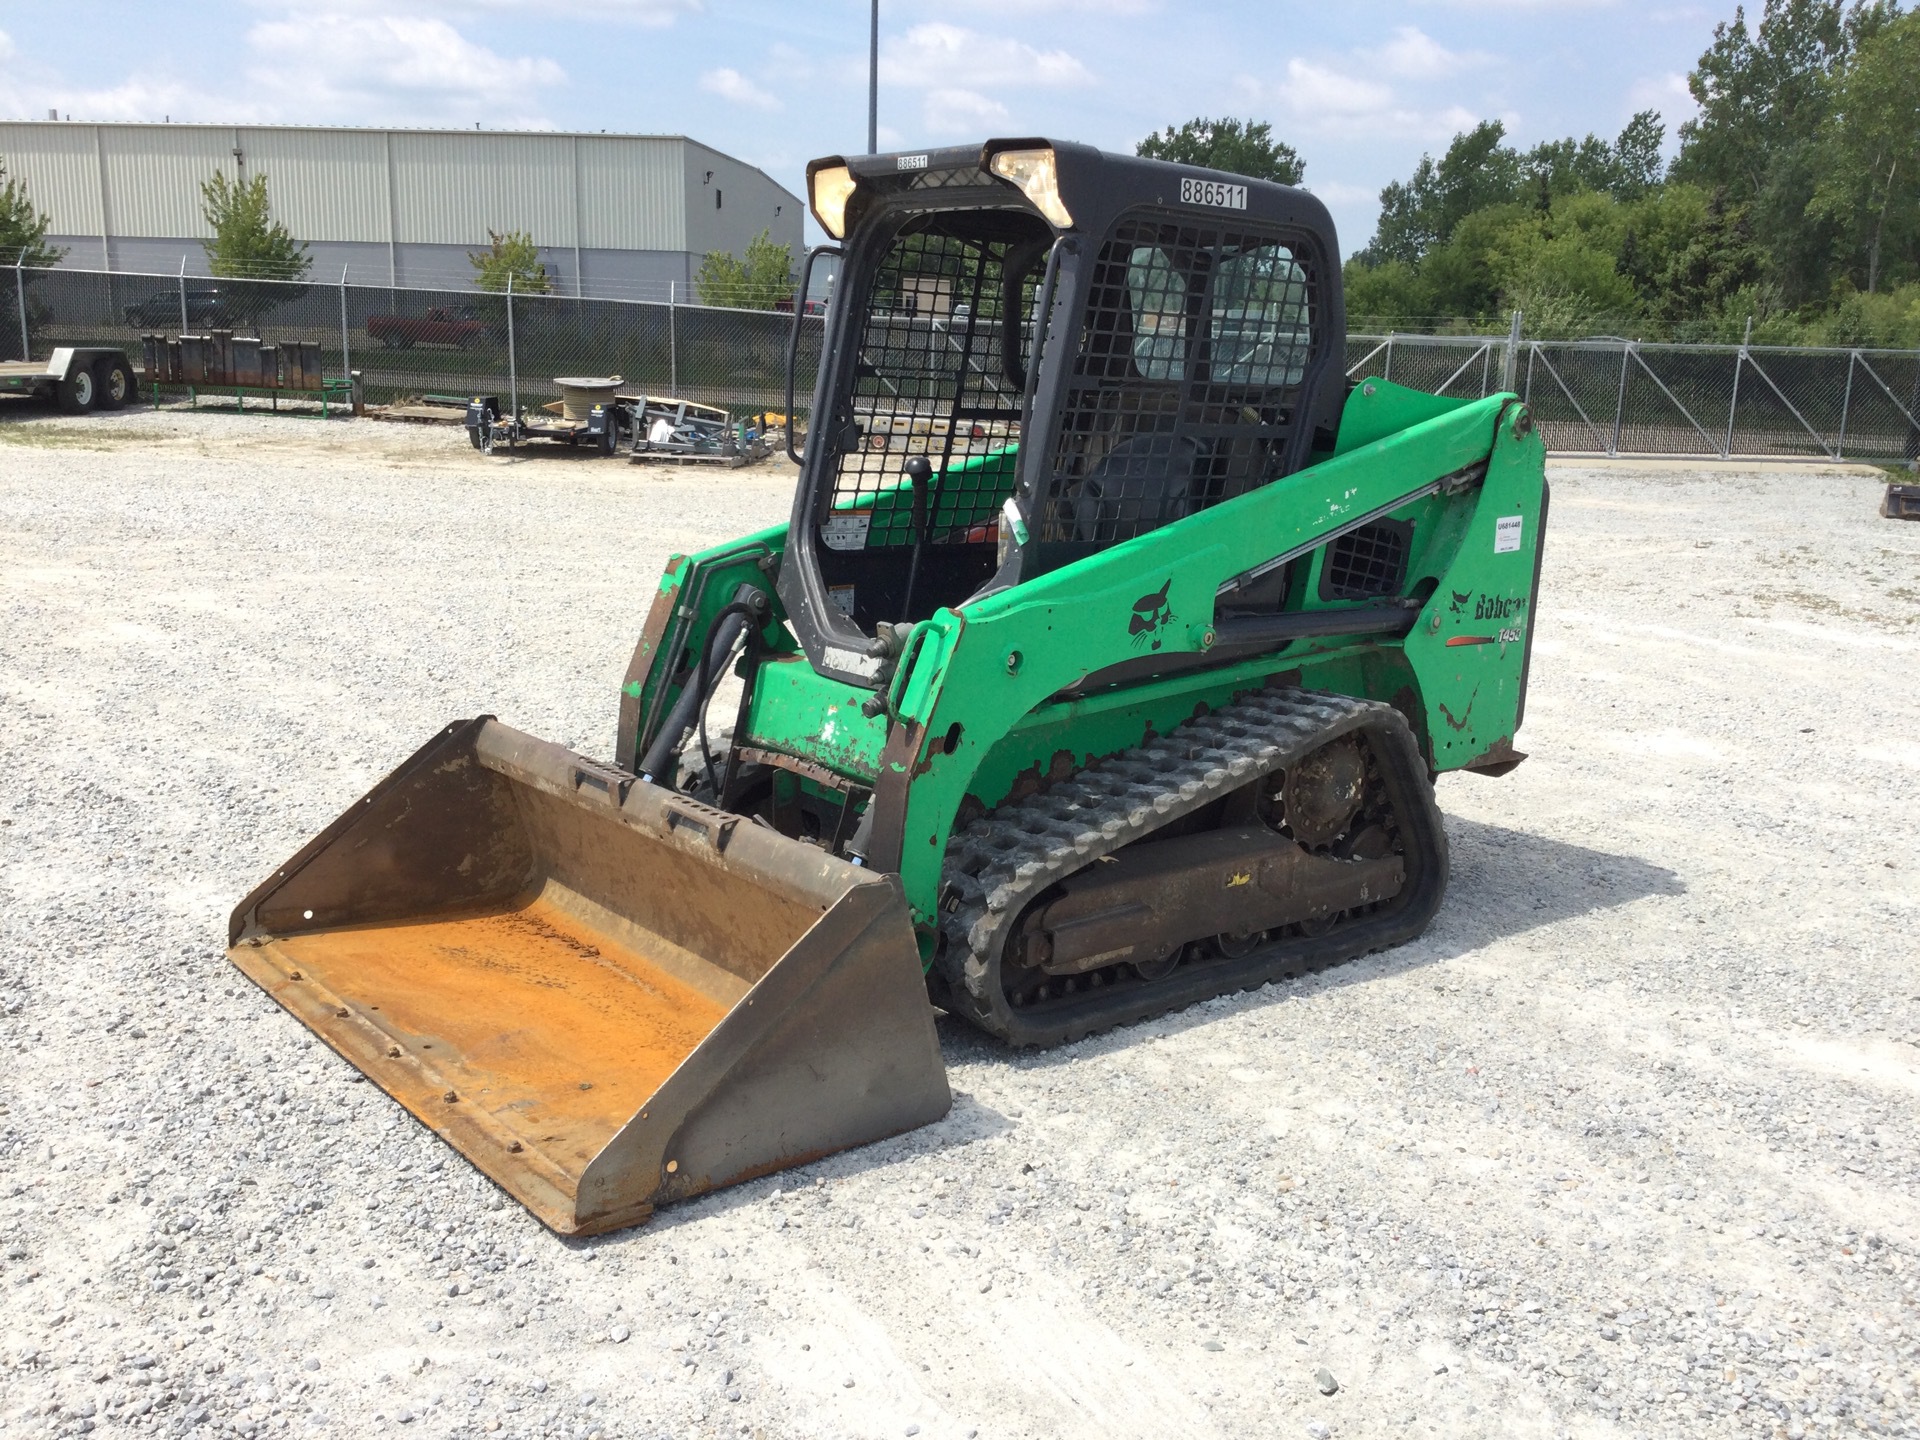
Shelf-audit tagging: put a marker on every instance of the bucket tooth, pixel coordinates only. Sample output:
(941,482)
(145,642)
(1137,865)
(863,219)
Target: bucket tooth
(604,995)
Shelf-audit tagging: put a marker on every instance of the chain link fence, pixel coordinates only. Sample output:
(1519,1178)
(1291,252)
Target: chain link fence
(417,342)
(1589,397)
(1620,397)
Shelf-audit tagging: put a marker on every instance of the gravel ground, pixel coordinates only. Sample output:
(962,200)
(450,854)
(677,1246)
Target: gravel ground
(1625,1146)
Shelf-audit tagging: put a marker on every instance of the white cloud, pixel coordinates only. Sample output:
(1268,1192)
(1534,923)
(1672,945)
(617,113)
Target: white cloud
(1415,55)
(1389,88)
(7,51)
(641,12)
(962,112)
(1042,7)
(399,68)
(157,98)
(950,55)
(730,84)
(1339,192)
(1319,90)
(1666,93)
(653,13)
(792,62)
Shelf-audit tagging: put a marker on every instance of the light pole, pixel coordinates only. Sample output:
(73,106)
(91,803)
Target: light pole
(873,83)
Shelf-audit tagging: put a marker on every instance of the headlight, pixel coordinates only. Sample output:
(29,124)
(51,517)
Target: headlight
(832,188)
(1037,173)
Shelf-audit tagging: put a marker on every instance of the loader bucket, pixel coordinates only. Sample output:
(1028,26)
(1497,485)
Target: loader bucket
(604,995)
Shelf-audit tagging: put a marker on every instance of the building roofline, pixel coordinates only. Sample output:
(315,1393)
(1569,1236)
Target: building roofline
(405,130)
(353,129)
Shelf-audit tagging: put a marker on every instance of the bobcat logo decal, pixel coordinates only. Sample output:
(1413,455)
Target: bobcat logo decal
(1151,615)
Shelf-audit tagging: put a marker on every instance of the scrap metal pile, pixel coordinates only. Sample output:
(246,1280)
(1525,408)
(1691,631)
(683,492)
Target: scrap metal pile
(593,411)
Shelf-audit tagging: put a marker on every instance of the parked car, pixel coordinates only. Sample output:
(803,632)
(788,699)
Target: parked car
(814,307)
(439,325)
(206,309)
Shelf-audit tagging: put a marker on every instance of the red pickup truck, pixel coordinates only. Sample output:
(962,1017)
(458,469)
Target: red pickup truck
(437,326)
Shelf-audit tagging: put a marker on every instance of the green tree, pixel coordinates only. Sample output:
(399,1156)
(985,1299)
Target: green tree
(249,247)
(1240,147)
(1637,164)
(1562,267)
(512,256)
(1767,98)
(1869,180)
(758,281)
(1390,295)
(1625,168)
(247,242)
(1477,170)
(23,229)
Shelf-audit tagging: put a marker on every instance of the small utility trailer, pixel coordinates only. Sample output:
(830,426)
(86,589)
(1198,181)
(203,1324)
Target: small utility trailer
(585,414)
(78,378)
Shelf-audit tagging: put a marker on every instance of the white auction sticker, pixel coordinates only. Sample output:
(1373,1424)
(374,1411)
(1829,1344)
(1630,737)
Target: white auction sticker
(1212,192)
(1506,534)
(848,530)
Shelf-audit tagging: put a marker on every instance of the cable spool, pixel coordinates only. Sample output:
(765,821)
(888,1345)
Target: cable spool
(580,393)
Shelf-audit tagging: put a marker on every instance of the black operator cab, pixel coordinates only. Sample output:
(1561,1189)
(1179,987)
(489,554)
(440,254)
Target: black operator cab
(1035,351)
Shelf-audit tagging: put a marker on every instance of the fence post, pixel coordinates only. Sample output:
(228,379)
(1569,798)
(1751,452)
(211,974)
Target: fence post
(20,295)
(1510,362)
(1620,397)
(513,362)
(1733,405)
(673,341)
(182,281)
(1913,418)
(1386,371)
(346,353)
(1846,403)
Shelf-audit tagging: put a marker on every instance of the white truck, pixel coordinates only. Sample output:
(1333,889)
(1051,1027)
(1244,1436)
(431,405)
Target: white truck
(78,378)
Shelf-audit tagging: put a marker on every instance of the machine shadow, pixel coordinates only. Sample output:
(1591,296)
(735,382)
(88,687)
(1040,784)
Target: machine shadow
(1505,883)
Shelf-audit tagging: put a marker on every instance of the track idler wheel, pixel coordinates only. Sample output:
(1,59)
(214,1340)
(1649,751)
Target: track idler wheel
(1323,792)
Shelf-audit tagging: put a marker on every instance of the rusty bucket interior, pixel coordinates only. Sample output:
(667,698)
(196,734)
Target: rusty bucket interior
(603,994)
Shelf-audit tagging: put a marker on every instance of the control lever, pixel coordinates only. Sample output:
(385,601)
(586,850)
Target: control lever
(920,476)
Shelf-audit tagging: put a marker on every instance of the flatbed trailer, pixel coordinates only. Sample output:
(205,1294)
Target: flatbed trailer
(77,378)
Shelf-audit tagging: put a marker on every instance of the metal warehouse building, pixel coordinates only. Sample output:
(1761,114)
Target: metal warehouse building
(612,214)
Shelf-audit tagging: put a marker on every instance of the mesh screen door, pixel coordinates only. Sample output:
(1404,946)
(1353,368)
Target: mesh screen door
(1194,347)
(932,377)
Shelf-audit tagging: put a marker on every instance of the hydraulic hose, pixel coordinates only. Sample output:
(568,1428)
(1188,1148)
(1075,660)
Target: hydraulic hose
(727,629)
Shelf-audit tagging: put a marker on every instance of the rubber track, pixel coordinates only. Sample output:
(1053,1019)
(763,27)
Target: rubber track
(1003,860)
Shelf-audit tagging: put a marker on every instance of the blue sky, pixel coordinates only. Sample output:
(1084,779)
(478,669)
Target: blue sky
(1360,91)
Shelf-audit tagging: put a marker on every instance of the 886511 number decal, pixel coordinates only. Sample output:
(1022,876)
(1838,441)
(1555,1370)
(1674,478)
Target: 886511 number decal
(1213,192)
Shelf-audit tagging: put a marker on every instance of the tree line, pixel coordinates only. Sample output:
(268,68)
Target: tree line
(1793,201)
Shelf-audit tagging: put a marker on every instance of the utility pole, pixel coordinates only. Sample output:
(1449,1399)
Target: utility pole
(873,83)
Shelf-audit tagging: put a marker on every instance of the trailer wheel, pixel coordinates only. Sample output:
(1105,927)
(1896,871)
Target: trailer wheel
(115,383)
(78,393)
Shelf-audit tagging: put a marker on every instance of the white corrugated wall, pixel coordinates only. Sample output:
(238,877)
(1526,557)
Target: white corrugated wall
(154,174)
(445,187)
(452,190)
(324,184)
(632,195)
(60,170)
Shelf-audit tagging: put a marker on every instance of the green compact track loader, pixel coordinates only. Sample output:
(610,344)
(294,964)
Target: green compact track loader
(1105,664)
